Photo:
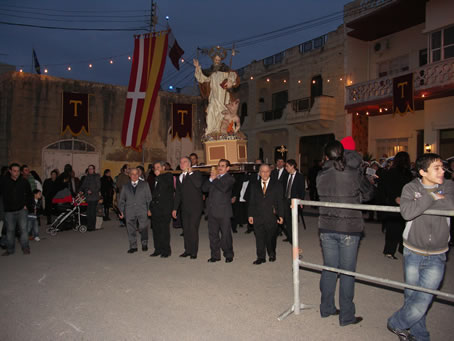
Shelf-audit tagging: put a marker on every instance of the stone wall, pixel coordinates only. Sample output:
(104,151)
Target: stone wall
(31,119)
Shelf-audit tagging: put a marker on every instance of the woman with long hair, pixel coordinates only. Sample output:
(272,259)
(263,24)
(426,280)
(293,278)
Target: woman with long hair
(341,181)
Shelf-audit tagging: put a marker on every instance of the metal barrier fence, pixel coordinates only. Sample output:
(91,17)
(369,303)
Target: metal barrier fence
(297,305)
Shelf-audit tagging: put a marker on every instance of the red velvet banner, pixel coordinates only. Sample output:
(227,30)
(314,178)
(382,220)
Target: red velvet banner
(75,113)
(403,94)
(182,120)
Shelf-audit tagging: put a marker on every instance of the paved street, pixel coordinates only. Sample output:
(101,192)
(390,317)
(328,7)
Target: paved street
(86,287)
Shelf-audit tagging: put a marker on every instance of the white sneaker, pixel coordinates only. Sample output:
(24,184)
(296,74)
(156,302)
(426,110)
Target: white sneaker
(37,239)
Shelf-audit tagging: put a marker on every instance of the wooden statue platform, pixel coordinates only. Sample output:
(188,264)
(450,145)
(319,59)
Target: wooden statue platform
(233,150)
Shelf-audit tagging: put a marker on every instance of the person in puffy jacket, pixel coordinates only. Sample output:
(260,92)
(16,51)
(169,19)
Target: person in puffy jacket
(340,180)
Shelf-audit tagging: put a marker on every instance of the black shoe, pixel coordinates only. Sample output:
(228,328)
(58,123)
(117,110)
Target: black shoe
(193,257)
(26,251)
(403,335)
(165,255)
(132,250)
(286,240)
(144,248)
(229,260)
(248,231)
(185,254)
(155,254)
(259,261)
(272,259)
(213,260)
(357,320)
(235,231)
(181,234)
(390,256)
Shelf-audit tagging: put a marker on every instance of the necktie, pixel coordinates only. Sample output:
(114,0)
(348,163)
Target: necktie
(264,187)
(289,187)
(184,177)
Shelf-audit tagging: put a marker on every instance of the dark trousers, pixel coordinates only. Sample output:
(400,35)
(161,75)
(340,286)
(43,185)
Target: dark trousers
(222,226)
(239,214)
(265,239)
(91,214)
(49,211)
(161,233)
(191,222)
(393,237)
(142,222)
(288,220)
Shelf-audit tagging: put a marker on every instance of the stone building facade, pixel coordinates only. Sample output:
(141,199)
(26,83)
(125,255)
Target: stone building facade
(31,125)
(295,99)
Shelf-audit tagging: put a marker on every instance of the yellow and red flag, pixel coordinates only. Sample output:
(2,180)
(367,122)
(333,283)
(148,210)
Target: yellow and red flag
(148,62)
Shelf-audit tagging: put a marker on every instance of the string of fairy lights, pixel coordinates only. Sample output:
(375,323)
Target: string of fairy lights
(176,76)
(89,64)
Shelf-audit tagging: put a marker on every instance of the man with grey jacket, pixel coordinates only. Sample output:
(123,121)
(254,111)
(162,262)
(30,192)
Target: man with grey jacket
(134,204)
(425,240)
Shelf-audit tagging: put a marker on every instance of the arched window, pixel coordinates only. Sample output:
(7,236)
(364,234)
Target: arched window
(72,145)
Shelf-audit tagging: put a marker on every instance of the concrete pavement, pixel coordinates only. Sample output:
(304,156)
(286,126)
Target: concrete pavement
(86,287)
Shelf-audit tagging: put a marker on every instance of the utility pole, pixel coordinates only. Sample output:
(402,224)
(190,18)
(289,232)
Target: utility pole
(153,17)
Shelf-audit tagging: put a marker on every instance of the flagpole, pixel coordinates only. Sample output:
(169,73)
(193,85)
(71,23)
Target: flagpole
(33,62)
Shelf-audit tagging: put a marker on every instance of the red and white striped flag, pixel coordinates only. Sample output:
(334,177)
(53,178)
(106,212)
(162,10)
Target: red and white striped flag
(148,62)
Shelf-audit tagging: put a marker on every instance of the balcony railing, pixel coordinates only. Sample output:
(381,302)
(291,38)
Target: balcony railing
(429,76)
(271,115)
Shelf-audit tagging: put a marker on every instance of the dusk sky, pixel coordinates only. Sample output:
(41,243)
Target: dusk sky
(195,23)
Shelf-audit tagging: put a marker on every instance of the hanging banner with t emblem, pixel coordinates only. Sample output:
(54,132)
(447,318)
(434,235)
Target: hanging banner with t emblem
(75,113)
(182,120)
(403,94)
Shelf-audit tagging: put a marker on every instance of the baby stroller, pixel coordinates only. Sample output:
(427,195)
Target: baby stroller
(70,216)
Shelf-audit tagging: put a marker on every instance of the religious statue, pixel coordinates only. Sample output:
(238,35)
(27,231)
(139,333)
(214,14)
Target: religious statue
(215,85)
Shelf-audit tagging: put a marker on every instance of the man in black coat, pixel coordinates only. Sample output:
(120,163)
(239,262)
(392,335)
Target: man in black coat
(161,210)
(294,188)
(219,206)
(279,173)
(188,195)
(265,209)
(17,199)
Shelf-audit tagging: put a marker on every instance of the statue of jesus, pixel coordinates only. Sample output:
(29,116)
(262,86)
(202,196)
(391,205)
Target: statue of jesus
(215,83)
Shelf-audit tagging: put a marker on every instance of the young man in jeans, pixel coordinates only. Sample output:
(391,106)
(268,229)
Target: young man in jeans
(426,240)
(17,197)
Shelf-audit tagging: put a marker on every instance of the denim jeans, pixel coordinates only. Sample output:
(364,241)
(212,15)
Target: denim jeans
(33,226)
(339,251)
(12,219)
(426,272)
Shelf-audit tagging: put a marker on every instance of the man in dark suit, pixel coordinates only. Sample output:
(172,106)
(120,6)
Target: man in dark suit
(294,188)
(219,207)
(161,209)
(265,209)
(252,178)
(279,173)
(188,195)
(135,199)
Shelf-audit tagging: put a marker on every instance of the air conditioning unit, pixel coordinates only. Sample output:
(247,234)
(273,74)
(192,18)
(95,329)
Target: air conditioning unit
(381,45)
